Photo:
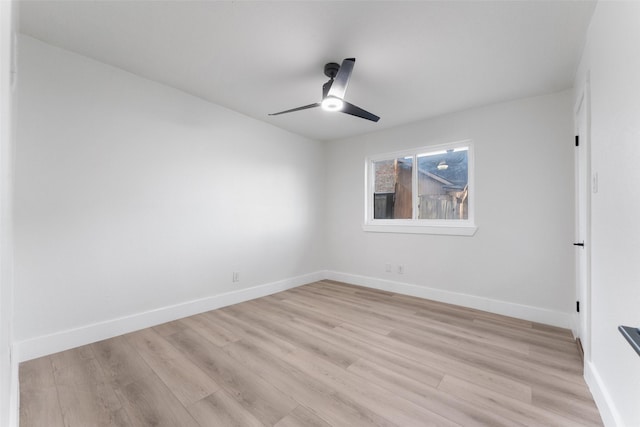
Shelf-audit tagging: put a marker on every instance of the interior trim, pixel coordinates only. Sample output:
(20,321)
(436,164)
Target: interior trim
(520,311)
(64,340)
(70,338)
(604,402)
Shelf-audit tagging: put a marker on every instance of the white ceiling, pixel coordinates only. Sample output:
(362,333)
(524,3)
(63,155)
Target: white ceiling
(415,59)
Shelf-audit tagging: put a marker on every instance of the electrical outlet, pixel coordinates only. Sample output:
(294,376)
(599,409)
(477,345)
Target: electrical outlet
(400,269)
(236,276)
(387,268)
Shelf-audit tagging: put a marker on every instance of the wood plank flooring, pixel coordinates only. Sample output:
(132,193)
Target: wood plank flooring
(325,354)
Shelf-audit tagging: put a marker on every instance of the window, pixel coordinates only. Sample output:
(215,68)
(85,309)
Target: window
(425,190)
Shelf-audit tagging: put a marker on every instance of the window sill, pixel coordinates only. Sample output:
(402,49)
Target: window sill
(448,230)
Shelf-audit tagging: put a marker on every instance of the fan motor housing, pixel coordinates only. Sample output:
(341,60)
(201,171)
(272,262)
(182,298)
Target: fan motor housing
(331,69)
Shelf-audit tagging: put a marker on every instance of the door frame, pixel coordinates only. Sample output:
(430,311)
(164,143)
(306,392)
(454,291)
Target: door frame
(582,320)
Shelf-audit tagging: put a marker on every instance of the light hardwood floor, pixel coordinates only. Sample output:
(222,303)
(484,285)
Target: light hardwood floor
(325,354)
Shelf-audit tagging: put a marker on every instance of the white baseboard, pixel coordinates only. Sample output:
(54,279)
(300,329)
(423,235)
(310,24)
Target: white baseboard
(64,340)
(601,396)
(525,312)
(14,394)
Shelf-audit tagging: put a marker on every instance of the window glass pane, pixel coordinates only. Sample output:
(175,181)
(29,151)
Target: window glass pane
(443,189)
(392,198)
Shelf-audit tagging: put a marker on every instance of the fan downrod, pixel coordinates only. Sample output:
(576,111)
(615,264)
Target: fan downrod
(331,69)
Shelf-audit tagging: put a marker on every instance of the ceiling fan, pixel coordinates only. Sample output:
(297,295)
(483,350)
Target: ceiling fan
(333,92)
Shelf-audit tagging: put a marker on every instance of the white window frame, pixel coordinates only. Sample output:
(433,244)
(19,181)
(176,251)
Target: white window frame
(455,227)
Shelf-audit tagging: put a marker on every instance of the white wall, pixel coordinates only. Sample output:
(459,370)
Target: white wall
(132,196)
(612,58)
(8,367)
(520,261)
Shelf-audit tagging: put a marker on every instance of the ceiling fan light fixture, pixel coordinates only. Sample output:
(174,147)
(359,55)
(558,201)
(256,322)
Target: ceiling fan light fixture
(331,103)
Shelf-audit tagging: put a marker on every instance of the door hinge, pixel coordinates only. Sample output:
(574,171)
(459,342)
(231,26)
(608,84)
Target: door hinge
(578,306)
(577,140)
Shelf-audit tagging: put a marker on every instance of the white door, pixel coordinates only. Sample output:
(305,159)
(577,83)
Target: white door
(582,243)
